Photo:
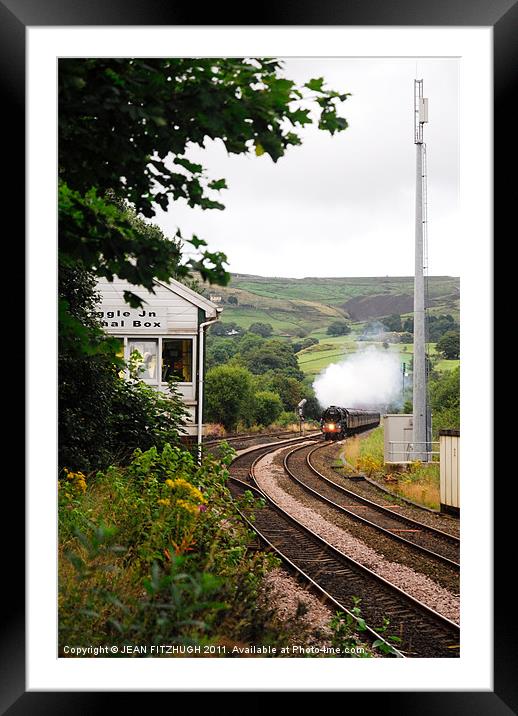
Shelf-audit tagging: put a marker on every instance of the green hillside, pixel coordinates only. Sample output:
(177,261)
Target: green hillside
(310,304)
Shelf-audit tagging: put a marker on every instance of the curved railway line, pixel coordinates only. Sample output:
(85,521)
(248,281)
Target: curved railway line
(423,631)
(431,541)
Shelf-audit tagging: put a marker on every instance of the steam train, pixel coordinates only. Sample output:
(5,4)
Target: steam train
(337,423)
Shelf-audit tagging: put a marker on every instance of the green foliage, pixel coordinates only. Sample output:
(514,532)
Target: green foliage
(268,406)
(408,324)
(449,345)
(406,337)
(220,351)
(142,416)
(262,329)
(271,355)
(228,395)
(338,328)
(103,417)
(346,629)
(222,328)
(438,326)
(290,390)
(444,392)
(287,417)
(249,342)
(118,242)
(392,322)
(120,120)
(156,553)
(271,366)
(125,127)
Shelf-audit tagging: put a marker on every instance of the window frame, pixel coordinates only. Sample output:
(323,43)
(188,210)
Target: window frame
(183,336)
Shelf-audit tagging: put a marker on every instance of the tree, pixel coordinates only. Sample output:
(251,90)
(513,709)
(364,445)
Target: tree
(289,389)
(249,342)
(306,343)
(220,351)
(393,322)
(125,129)
(312,409)
(338,328)
(444,391)
(408,324)
(228,395)
(262,329)
(449,345)
(221,328)
(439,325)
(268,407)
(272,355)
(233,300)
(309,342)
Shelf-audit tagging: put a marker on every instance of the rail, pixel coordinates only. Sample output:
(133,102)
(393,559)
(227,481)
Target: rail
(410,450)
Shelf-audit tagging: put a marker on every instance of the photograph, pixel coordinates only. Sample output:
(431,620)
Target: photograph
(259,357)
(255,254)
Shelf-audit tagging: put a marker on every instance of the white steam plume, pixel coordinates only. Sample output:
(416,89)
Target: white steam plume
(369,379)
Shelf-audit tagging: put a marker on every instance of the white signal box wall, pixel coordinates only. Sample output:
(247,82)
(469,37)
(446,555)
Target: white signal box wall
(398,436)
(449,446)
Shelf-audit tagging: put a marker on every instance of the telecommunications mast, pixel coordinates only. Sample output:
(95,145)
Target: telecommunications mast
(421,417)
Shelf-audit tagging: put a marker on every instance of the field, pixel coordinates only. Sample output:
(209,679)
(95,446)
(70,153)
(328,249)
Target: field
(311,304)
(306,307)
(417,482)
(331,350)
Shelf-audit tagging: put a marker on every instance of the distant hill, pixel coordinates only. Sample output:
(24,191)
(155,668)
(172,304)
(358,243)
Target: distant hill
(292,305)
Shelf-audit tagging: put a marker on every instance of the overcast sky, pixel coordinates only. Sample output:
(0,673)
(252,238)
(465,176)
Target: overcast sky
(342,205)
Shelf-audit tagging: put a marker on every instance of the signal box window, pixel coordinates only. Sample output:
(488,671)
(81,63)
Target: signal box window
(177,359)
(147,357)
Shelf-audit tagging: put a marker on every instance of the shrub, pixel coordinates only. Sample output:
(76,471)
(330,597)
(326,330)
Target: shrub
(338,328)
(261,329)
(268,407)
(156,552)
(228,395)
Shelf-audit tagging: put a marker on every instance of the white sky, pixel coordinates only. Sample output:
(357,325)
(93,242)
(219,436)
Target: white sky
(341,205)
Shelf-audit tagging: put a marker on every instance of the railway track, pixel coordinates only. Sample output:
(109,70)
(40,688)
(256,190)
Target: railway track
(242,441)
(423,632)
(430,541)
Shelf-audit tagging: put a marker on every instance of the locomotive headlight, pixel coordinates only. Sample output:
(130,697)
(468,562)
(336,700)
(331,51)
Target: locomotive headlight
(331,426)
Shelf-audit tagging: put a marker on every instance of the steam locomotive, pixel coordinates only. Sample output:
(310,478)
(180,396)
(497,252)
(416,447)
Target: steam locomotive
(337,423)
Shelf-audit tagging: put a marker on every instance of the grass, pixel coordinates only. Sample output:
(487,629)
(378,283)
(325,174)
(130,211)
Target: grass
(313,303)
(417,481)
(315,359)
(337,290)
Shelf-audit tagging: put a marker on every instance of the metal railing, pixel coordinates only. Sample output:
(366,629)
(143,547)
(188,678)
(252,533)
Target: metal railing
(410,453)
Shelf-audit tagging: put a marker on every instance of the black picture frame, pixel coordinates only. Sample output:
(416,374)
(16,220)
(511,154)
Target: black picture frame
(15,17)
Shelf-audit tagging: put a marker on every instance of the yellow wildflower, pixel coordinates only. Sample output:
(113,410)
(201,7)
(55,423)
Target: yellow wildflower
(165,502)
(187,506)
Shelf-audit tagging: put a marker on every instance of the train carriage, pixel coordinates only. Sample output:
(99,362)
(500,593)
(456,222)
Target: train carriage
(337,423)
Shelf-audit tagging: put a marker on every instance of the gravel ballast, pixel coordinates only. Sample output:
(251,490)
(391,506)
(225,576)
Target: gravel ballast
(324,459)
(270,477)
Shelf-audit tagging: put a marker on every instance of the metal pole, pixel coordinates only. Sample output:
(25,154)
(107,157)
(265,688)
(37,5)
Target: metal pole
(419,379)
(200,382)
